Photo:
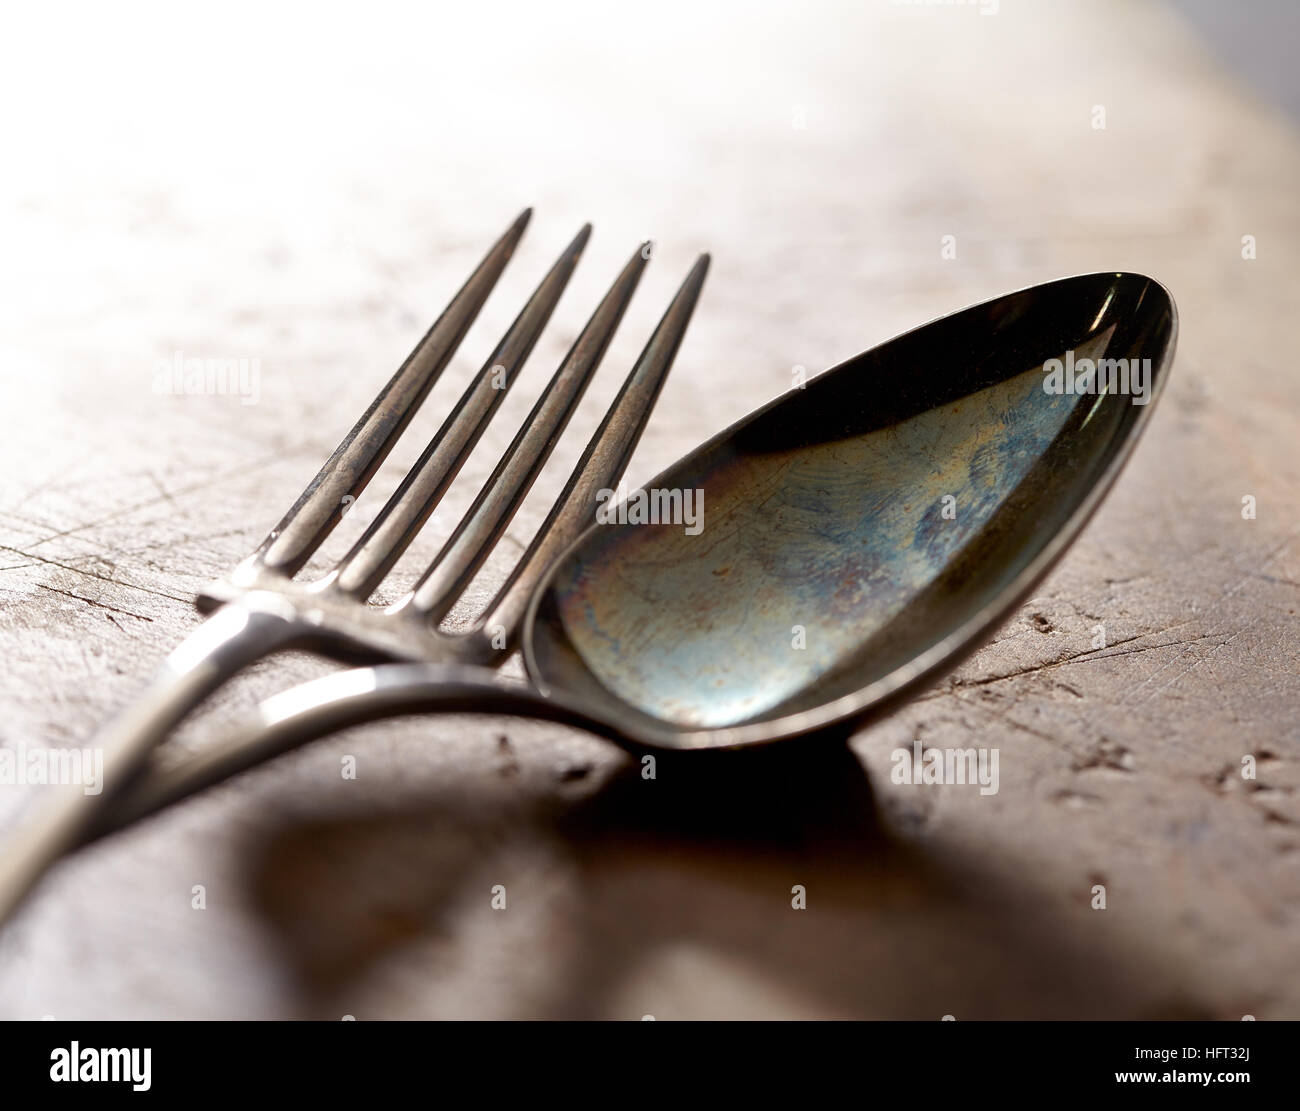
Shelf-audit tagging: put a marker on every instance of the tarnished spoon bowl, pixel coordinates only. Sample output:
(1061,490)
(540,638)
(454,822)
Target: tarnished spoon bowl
(863,534)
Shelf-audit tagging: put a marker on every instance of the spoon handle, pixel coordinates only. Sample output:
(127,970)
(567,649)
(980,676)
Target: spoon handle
(323,706)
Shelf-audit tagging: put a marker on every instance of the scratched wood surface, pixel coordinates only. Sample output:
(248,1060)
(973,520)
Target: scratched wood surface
(308,193)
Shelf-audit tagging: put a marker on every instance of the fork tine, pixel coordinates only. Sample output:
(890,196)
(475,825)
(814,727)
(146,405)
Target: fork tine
(436,591)
(318,509)
(602,463)
(360,571)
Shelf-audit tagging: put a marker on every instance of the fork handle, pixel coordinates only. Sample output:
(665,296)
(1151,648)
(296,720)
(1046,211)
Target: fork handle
(337,701)
(226,642)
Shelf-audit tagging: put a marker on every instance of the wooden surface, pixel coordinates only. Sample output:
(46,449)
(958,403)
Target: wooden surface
(308,193)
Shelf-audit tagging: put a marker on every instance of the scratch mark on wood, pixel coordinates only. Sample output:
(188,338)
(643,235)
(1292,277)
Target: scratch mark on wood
(92,602)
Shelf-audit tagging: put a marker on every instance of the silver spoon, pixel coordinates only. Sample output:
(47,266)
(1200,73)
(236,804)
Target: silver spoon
(860,537)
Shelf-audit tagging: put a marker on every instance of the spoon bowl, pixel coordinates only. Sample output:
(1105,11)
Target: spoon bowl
(863,534)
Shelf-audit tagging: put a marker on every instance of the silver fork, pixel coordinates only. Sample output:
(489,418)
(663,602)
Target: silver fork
(262,608)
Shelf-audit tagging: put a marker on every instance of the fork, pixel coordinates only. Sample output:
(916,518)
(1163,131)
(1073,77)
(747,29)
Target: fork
(262,608)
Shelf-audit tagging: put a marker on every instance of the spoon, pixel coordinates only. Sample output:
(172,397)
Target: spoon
(860,536)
